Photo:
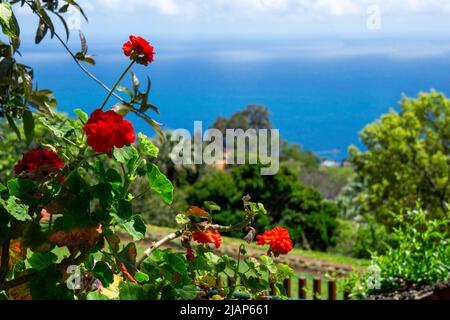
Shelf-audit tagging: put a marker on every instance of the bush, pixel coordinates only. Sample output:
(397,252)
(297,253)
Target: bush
(420,256)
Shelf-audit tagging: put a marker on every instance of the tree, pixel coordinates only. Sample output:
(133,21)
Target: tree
(253,117)
(407,158)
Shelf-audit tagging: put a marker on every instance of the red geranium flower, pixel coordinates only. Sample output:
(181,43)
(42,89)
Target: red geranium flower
(208,236)
(279,240)
(106,130)
(139,50)
(39,159)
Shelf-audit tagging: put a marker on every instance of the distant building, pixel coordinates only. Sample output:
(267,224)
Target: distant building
(330,163)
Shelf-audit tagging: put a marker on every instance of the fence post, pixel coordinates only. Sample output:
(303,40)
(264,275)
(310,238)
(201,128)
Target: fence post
(331,290)
(317,288)
(302,288)
(287,287)
(273,291)
(230,282)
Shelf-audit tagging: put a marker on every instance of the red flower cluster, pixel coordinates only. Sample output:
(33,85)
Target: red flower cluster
(76,237)
(208,236)
(279,240)
(106,130)
(139,50)
(39,159)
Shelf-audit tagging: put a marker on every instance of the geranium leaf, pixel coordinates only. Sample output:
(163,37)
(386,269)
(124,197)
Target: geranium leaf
(159,183)
(40,260)
(104,273)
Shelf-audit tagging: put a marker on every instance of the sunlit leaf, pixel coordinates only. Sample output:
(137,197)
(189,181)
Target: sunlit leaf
(159,183)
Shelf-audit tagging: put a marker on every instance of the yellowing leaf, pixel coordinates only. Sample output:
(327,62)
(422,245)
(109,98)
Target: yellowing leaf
(197,212)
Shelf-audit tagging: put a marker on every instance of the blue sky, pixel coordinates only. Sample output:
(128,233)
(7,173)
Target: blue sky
(241,18)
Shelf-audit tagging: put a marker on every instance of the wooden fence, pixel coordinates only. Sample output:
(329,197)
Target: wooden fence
(321,289)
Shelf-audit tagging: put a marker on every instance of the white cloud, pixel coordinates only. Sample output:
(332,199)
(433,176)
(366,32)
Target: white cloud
(338,7)
(215,17)
(275,7)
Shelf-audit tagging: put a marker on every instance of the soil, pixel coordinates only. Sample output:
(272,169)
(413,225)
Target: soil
(440,291)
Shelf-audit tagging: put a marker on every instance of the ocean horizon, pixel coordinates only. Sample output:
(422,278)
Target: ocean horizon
(321,93)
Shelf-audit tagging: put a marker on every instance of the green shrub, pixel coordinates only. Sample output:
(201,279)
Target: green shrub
(421,256)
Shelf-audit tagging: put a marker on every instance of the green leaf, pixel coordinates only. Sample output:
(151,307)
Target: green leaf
(154,124)
(146,146)
(177,262)
(126,154)
(124,210)
(104,273)
(16,210)
(5,12)
(2,187)
(60,129)
(23,189)
(126,90)
(112,176)
(212,206)
(141,277)
(40,260)
(266,260)
(188,292)
(135,81)
(28,126)
(82,115)
(258,208)
(213,258)
(46,285)
(13,125)
(40,32)
(159,183)
(130,291)
(182,219)
(6,20)
(122,108)
(95,295)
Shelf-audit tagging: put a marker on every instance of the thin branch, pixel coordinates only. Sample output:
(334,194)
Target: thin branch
(93,77)
(17,282)
(158,244)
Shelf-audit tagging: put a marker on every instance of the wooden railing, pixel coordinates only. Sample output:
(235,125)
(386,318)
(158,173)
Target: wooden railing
(321,289)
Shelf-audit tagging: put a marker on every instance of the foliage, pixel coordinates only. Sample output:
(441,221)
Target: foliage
(408,158)
(252,117)
(421,256)
(310,219)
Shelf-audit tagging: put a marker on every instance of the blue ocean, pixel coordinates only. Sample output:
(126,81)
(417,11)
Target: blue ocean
(321,92)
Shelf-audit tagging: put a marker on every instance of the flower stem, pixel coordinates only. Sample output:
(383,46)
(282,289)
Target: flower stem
(116,84)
